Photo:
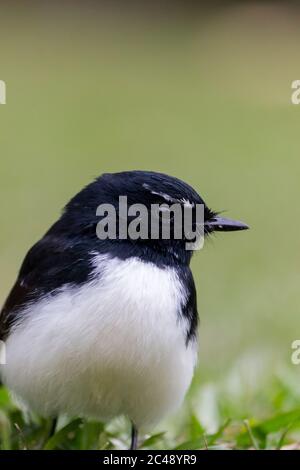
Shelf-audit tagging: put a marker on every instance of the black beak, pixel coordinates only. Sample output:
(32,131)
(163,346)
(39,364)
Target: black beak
(221,224)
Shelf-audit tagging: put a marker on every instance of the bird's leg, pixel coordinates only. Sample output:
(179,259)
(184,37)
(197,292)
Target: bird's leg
(50,431)
(134,437)
(52,428)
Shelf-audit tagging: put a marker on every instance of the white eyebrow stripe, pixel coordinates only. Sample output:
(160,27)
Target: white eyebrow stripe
(168,198)
(165,196)
(187,203)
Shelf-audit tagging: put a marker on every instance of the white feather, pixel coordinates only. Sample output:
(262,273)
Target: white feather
(114,346)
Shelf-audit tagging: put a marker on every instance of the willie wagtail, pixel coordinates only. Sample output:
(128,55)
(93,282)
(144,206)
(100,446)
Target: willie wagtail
(103,327)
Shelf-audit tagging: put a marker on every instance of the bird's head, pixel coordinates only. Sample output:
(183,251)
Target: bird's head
(139,200)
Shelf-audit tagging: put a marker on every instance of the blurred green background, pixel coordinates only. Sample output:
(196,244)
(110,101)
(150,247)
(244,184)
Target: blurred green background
(203,95)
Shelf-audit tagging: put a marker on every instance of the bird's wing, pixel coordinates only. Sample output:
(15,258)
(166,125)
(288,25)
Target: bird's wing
(48,266)
(189,307)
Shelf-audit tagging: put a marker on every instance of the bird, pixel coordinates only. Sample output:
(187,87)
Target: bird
(99,328)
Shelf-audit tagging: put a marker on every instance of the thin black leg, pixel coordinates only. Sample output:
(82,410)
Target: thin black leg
(134,438)
(50,431)
(52,428)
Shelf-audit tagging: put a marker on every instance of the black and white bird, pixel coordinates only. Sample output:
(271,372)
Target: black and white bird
(101,328)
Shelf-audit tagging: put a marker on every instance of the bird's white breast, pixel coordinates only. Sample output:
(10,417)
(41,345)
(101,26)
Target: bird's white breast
(114,346)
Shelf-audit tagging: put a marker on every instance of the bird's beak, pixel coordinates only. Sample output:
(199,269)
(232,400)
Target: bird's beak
(221,224)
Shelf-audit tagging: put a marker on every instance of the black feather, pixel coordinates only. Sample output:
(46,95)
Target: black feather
(64,255)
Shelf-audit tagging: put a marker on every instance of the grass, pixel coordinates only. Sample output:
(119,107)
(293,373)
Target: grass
(207,101)
(225,425)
